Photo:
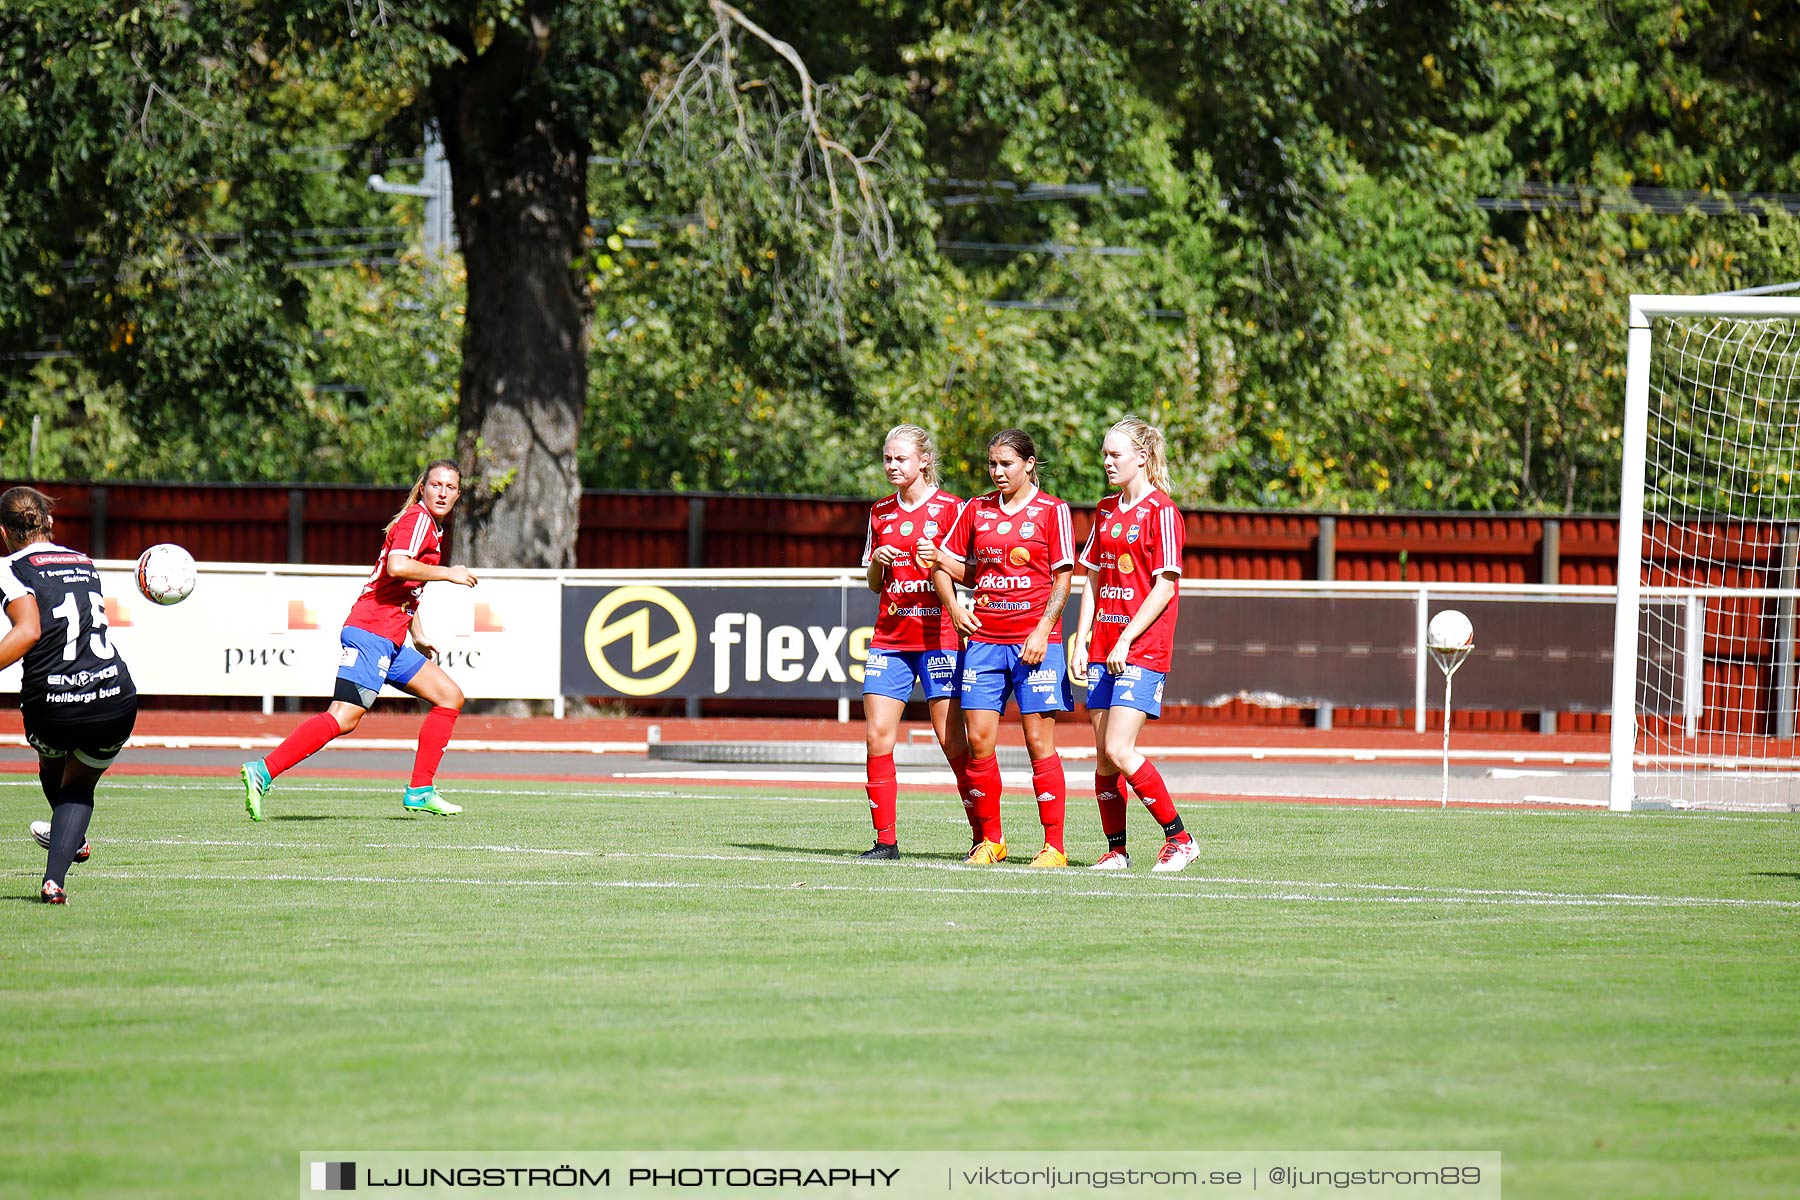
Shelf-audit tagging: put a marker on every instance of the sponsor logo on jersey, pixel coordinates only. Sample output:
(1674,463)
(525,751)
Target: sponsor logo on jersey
(82,678)
(931,528)
(1112,591)
(982,528)
(1031,510)
(1002,583)
(1018,556)
(1131,535)
(1117,529)
(888,528)
(1003,527)
(931,510)
(1126,564)
(1027,529)
(906,529)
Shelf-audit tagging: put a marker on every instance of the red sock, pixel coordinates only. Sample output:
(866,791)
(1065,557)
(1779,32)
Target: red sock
(884,793)
(1111,799)
(434,735)
(984,790)
(1148,783)
(1052,797)
(959,767)
(303,743)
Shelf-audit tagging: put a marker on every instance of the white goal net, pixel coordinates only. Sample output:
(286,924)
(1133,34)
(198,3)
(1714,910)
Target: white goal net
(1709,546)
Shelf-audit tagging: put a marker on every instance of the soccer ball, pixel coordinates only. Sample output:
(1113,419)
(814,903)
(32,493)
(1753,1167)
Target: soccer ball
(1449,630)
(165,573)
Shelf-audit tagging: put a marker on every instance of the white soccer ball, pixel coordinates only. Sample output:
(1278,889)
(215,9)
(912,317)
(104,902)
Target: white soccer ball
(1449,630)
(166,573)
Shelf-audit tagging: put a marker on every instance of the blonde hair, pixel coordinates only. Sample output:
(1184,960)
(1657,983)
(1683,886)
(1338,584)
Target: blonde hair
(25,512)
(418,489)
(1020,443)
(921,442)
(1148,438)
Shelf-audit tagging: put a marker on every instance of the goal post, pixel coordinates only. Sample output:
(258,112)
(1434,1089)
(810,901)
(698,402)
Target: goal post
(1703,688)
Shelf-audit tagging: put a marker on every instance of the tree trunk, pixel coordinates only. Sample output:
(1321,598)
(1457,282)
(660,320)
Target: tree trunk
(518,168)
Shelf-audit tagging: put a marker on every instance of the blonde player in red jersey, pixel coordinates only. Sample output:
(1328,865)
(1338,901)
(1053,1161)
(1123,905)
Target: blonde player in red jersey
(375,650)
(1015,547)
(1126,634)
(914,640)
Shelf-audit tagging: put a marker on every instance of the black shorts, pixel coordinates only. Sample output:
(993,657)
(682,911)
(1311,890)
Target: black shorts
(96,743)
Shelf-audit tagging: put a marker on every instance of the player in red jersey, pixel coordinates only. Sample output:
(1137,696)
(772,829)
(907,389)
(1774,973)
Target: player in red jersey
(375,651)
(1014,547)
(914,640)
(1126,634)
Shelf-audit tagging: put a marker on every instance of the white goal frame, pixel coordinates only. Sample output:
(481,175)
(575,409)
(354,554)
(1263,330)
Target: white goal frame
(1621,796)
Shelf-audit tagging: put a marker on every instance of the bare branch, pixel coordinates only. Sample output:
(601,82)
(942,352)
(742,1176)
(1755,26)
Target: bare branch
(779,131)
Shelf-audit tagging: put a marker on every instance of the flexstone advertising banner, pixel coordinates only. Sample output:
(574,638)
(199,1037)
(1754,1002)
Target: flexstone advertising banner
(248,632)
(748,640)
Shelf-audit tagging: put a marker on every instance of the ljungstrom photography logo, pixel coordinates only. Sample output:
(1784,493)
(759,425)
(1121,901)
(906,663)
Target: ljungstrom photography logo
(334,1177)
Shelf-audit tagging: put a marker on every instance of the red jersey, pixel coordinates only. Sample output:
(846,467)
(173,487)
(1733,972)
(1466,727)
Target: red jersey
(911,616)
(1128,547)
(1014,556)
(387,605)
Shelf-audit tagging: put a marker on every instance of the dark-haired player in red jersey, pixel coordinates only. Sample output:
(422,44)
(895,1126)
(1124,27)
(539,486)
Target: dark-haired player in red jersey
(1014,547)
(1126,635)
(375,650)
(914,641)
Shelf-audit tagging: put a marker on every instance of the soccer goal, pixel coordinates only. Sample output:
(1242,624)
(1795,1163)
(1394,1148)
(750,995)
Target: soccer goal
(1703,695)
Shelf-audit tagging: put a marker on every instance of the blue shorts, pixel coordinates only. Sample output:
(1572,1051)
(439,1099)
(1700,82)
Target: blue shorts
(1134,687)
(369,660)
(893,673)
(991,673)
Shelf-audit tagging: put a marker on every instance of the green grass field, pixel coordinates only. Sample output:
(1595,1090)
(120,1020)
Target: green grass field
(1609,1001)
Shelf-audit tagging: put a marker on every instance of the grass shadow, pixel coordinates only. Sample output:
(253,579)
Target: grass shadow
(835,852)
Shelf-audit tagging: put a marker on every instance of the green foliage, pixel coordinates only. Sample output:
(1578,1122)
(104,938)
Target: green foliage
(1272,249)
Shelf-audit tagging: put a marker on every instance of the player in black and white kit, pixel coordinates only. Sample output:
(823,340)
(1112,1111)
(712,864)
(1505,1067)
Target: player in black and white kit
(77,697)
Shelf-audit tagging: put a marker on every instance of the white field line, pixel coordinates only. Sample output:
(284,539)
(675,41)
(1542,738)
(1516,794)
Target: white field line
(1249,753)
(1526,900)
(1285,888)
(1392,805)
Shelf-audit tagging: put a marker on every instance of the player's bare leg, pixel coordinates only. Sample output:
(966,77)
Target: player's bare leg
(881,719)
(1120,745)
(1048,784)
(1109,794)
(436,688)
(983,728)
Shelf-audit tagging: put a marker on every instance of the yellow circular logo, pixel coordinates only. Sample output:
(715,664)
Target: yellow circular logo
(1126,565)
(602,632)
(1019,555)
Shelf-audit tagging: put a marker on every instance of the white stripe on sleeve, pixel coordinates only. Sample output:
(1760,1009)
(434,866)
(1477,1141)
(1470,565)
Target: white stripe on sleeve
(1063,553)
